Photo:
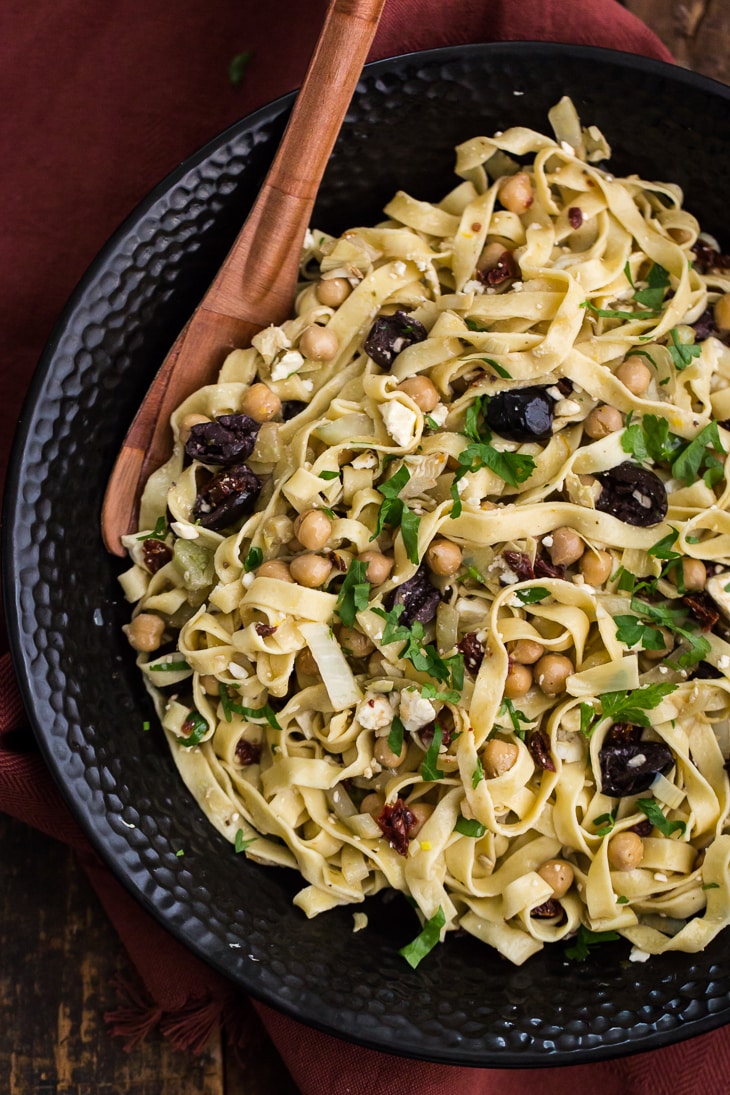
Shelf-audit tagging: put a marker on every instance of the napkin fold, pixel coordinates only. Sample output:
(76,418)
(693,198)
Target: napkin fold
(102,101)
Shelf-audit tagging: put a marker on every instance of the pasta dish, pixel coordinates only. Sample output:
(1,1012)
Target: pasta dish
(433,594)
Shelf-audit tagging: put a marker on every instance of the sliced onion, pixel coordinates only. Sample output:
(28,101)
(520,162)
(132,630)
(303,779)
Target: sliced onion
(336,674)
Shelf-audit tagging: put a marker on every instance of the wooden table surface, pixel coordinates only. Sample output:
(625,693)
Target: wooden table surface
(58,953)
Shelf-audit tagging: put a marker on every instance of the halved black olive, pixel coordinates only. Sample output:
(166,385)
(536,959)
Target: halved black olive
(419,598)
(633,494)
(390,335)
(226,497)
(226,440)
(522,414)
(629,767)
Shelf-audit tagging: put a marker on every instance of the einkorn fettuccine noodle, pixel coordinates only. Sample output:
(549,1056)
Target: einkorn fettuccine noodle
(432,593)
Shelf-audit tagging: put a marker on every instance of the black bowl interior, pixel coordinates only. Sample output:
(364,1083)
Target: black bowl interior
(464,1004)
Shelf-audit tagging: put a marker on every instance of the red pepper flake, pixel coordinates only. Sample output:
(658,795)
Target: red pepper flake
(476,227)
(575,216)
(394,823)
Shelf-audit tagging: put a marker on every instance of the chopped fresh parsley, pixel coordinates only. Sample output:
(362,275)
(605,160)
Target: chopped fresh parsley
(159,532)
(682,353)
(253,560)
(430,770)
(469,826)
(430,692)
(688,460)
(198,729)
(423,656)
(651,617)
(431,422)
(329,475)
(266,712)
(516,717)
(394,512)
(610,313)
(710,885)
(657,283)
(605,823)
(169,667)
(585,939)
(499,369)
(240,845)
(587,720)
(622,900)
(354,592)
(632,705)
(513,467)
(532,595)
(477,775)
(425,941)
(237,67)
(653,811)
(396,736)
(180,852)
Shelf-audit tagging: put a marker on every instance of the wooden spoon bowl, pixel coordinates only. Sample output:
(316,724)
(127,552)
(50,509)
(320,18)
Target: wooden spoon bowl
(255,286)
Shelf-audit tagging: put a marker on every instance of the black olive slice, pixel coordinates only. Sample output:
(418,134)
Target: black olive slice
(227,496)
(224,441)
(390,335)
(629,767)
(419,598)
(633,494)
(522,414)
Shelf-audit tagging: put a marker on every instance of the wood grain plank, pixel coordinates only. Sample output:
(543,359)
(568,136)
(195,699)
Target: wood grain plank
(696,31)
(58,954)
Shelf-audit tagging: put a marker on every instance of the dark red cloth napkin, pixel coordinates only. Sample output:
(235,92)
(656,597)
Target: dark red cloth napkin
(99,102)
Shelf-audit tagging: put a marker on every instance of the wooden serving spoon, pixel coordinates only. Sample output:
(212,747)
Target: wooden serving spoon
(255,286)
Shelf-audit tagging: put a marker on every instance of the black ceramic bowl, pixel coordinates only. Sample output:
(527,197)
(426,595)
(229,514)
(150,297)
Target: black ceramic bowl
(464,1004)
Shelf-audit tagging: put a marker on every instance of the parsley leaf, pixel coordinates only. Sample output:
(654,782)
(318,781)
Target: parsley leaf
(198,729)
(499,369)
(255,713)
(394,512)
(430,770)
(469,826)
(354,592)
(585,939)
(632,705)
(657,283)
(425,941)
(237,67)
(605,823)
(587,720)
(396,736)
(532,595)
(697,453)
(653,811)
(169,667)
(253,560)
(478,774)
(516,717)
(430,692)
(329,475)
(682,353)
(240,844)
(610,313)
(159,533)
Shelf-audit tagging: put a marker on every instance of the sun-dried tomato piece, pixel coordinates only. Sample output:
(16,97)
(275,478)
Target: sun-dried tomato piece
(545,569)
(155,554)
(394,823)
(473,651)
(703,608)
(264,630)
(248,752)
(505,269)
(707,258)
(227,440)
(520,563)
(642,828)
(575,216)
(548,910)
(539,749)
(226,497)
(419,598)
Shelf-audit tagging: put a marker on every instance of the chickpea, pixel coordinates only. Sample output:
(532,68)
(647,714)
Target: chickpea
(443,557)
(551,673)
(422,391)
(379,566)
(373,804)
(310,570)
(422,812)
(567,546)
(596,567)
(634,374)
(558,874)
(625,851)
(260,403)
(305,663)
(209,684)
(313,528)
(145,632)
(498,757)
(657,655)
(355,642)
(275,568)
(490,256)
(385,755)
(602,421)
(518,682)
(516,194)
(188,422)
(332,292)
(721,312)
(694,574)
(526,651)
(318,343)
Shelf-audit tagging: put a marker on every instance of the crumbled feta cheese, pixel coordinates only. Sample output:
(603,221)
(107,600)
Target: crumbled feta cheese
(237,671)
(547,541)
(518,286)
(637,761)
(565,407)
(400,422)
(308,243)
(374,711)
(308,385)
(567,148)
(415,711)
(474,286)
(287,364)
(183,531)
(247,580)
(637,955)
(399,269)
(439,413)
(660,877)
(723,661)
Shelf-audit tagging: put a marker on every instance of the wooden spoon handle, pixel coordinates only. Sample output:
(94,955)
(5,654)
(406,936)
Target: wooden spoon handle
(255,285)
(255,280)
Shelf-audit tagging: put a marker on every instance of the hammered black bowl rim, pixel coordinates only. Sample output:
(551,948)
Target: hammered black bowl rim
(21,641)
